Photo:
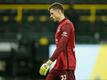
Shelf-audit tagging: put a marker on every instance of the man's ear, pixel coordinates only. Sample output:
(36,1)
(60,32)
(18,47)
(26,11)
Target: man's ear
(59,11)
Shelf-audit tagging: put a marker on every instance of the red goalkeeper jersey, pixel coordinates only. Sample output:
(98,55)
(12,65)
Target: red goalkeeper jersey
(65,46)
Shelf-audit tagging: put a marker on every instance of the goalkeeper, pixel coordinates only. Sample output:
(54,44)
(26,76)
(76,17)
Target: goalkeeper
(64,54)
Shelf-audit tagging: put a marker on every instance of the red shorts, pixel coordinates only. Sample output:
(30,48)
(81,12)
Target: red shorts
(60,75)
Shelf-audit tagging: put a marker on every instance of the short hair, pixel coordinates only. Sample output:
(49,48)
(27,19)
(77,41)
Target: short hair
(56,5)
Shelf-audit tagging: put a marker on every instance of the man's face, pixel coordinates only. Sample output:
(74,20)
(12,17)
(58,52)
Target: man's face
(54,14)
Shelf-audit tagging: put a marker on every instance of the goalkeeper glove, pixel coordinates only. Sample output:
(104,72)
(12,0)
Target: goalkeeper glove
(45,67)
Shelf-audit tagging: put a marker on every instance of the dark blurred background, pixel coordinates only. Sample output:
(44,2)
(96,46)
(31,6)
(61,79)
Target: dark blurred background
(26,32)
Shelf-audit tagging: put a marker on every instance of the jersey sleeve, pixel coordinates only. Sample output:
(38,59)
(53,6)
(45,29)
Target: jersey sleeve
(62,42)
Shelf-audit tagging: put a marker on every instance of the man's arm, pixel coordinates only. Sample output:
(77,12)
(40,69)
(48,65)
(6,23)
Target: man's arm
(62,43)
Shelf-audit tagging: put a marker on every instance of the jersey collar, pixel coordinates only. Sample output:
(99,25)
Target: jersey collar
(62,21)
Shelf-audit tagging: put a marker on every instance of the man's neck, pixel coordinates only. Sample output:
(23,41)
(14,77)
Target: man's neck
(61,18)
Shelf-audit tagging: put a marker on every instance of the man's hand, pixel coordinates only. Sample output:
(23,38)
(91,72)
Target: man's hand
(45,67)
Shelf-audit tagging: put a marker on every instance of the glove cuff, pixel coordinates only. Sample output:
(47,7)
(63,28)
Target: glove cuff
(49,62)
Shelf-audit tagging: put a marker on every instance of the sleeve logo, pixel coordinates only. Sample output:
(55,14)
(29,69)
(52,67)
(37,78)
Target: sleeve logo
(65,34)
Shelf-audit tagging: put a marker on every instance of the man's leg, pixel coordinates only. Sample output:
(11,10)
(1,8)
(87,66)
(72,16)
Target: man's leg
(61,75)
(66,75)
